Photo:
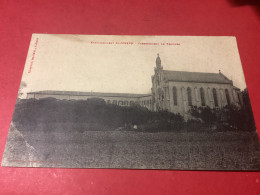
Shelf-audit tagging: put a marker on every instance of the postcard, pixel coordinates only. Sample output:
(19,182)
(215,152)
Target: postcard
(133,102)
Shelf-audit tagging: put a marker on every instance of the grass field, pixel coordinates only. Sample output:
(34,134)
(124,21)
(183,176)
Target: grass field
(68,145)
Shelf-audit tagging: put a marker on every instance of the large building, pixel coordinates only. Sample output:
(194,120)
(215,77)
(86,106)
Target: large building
(175,91)
(178,91)
(121,99)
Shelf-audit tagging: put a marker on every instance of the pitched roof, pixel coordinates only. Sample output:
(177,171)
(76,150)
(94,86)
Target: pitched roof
(199,77)
(94,94)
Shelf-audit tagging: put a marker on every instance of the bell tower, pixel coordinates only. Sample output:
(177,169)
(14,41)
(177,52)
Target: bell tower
(158,94)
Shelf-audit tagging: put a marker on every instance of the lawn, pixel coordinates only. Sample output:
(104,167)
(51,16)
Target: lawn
(67,144)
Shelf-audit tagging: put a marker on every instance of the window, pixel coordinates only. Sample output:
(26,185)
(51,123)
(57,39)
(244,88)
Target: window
(189,96)
(108,101)
(210,95)
(120,103)
(215,97)
(126,103)
(115,102)
(132,103)
(196,93)
(202,97)
(227,96)
(174,90)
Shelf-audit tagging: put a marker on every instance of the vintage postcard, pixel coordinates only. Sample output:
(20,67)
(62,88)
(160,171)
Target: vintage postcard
(133,102)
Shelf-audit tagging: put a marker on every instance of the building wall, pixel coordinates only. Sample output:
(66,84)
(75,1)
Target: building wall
(144,101)
(182,106)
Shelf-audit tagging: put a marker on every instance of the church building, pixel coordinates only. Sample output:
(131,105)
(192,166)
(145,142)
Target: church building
(178,91)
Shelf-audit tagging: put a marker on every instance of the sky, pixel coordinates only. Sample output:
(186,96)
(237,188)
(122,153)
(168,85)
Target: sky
(123,64)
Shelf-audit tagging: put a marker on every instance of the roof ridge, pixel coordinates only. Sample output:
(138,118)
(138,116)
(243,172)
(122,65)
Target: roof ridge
(224,76)
(191,72)
(87,92)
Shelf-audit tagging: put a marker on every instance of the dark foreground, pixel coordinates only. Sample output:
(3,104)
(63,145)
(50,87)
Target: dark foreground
(131,149)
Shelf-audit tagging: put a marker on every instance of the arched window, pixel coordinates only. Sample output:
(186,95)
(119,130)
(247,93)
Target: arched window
(174,89)
(202,97)
(215,97)
(227,96)
(189,96)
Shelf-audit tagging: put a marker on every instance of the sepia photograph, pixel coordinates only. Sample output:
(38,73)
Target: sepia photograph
(133,102)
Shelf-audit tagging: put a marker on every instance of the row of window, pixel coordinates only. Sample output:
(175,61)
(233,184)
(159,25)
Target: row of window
(202,96)
(126,103)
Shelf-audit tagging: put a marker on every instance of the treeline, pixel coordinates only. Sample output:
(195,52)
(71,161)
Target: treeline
(93,111)
(227,118)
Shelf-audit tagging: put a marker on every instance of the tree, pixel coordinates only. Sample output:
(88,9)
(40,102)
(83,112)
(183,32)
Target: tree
(247,109)
(22,86)
(205,114)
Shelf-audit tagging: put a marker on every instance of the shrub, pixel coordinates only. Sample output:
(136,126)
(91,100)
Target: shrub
(227,118)
(205,114)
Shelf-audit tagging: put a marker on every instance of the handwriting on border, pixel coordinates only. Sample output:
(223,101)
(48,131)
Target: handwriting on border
(33,55)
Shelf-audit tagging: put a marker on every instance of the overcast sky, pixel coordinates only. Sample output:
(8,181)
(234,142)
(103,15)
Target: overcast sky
(73,63)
